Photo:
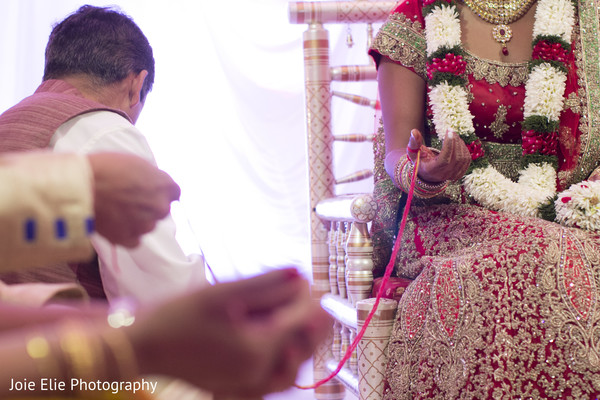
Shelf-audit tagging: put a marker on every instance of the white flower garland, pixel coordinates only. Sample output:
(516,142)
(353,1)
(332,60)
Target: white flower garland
(555,17)
(580,206)
(442,28)
(544,91)
(535,185)
(450,109)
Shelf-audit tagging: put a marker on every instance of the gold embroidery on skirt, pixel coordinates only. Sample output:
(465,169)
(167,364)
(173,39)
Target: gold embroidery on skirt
(503,308)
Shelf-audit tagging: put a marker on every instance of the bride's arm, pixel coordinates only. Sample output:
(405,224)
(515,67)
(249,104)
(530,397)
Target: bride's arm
(403,95)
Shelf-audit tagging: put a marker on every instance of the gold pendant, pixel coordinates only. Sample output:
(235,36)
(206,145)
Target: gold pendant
(502,34)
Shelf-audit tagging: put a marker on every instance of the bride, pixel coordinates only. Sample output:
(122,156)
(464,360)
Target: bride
(501,98)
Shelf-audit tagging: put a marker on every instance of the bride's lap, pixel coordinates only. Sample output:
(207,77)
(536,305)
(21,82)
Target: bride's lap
(501,305)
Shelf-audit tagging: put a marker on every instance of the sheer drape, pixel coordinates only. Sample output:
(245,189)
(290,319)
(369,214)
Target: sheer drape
(225,118)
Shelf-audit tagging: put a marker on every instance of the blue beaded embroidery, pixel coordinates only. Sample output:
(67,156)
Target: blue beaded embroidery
(60,228)
(30,228)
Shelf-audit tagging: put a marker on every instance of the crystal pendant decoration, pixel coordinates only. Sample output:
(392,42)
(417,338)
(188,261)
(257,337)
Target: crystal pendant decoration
(502,34)
(349,40)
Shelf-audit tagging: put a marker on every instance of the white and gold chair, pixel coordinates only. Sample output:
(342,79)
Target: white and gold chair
(341,247)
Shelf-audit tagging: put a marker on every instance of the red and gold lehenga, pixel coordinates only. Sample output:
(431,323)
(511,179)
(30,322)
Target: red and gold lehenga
(501,306)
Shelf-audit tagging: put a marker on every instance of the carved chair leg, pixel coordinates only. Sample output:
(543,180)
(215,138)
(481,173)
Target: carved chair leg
(372,348)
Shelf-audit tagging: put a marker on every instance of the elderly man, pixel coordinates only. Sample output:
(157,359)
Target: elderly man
(99,69)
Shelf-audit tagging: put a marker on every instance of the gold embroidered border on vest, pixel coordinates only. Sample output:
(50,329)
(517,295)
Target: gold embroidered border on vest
(514,74)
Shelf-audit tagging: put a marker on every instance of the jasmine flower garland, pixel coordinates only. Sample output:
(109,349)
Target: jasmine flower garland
(544,93)
(450,109)
(580,206)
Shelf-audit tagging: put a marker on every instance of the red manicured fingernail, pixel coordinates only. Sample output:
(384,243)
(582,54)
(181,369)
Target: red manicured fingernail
(292,273)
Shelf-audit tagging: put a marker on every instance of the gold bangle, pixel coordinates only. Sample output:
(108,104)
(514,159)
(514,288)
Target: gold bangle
(401,175)
(40,351)
(122,352)
(428,190)
(84,355)
(425,190)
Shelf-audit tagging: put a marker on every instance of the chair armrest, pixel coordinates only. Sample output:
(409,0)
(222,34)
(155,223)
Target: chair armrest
(348,208)
(340,309)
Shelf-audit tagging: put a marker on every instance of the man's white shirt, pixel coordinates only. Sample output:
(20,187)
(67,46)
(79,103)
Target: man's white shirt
(158,267)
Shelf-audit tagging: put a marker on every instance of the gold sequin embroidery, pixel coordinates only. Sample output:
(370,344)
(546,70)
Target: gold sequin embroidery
(402,40)
(499,126)
(502,307)
(574,103)
(514,74)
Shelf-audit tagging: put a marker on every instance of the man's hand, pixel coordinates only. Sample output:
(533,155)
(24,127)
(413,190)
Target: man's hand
(244,338)
(130,196)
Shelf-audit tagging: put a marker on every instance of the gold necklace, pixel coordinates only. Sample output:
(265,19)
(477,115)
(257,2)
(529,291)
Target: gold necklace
(500,13)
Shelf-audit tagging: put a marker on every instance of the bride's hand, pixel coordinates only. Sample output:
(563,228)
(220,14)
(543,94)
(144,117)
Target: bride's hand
(450,164)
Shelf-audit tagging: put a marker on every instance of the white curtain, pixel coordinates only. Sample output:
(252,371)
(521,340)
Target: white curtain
(225,119)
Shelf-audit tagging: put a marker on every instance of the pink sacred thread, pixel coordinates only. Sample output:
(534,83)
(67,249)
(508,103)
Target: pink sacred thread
(386,276)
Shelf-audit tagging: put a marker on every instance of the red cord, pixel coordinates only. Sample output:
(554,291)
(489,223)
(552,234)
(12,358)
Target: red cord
(386,276)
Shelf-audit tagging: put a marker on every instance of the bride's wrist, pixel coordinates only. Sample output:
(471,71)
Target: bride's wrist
(424,189)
